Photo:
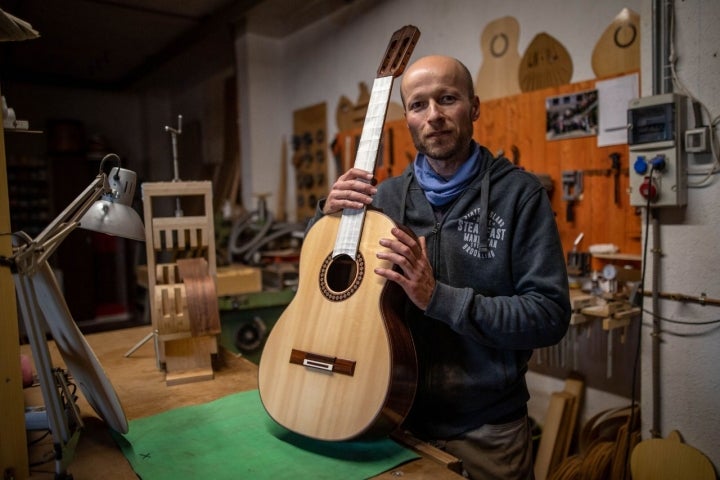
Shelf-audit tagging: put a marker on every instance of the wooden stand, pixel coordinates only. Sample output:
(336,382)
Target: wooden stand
(183,306)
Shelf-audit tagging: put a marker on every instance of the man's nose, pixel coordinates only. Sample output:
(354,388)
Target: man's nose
(434,111)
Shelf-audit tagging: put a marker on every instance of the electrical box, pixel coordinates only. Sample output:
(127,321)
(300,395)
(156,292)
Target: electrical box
(658,165)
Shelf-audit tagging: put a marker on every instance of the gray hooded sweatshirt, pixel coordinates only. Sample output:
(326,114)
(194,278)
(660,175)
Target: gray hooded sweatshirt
(501,291)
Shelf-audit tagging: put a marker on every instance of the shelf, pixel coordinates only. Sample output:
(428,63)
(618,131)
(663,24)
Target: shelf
(630,257)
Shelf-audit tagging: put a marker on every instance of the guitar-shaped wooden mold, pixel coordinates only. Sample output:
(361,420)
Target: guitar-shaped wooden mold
(340,364)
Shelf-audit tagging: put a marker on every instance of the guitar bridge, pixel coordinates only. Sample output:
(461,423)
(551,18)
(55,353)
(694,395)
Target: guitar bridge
(322,362)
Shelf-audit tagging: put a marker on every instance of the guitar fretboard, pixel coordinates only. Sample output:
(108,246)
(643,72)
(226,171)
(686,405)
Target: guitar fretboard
(350,229)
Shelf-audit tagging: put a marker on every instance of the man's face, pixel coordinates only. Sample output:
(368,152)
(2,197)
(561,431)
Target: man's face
(439,109)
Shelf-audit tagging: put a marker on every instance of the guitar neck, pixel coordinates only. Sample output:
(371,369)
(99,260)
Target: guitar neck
(351,223)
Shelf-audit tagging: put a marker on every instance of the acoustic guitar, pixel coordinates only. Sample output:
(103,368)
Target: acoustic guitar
(340,364)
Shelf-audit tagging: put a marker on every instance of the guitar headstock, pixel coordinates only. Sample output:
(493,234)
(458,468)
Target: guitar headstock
(402,43)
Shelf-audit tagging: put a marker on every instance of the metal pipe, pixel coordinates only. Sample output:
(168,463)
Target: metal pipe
(655,429)
(702,299)
(662,12)
(661,36)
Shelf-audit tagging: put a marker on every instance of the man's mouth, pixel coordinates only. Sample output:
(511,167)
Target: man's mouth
(439,134)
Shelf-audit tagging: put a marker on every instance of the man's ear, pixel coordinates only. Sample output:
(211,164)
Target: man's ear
(475,108)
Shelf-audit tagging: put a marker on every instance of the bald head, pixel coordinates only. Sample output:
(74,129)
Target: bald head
(442,66)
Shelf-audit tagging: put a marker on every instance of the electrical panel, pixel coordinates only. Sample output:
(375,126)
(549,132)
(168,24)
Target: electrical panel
(658,165)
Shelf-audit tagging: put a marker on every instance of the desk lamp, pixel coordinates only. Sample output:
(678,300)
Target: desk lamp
(104,206)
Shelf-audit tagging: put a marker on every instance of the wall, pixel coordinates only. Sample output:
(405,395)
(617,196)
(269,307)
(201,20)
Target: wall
(689,356)
(328,59)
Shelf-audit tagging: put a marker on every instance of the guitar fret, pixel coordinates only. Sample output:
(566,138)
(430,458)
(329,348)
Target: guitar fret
(350,229)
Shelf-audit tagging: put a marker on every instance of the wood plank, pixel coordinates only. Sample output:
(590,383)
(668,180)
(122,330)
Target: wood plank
(575,387)
(551,432)
(13,454)
(564,433)
(440,456)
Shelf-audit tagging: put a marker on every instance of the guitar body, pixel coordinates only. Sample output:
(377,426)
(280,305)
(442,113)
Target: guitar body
(339,364)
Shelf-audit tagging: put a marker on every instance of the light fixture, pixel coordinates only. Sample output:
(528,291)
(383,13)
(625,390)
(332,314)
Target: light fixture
(113,213)
(104,206)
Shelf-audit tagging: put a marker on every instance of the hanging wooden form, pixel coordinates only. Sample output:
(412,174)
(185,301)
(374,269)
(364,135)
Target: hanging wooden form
(498,74)
(546,63)
(618,49)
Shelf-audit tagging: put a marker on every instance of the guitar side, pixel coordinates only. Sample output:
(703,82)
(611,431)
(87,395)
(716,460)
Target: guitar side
(340,364)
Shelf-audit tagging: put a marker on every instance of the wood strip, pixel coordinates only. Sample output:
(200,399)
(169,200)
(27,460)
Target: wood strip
(564,433)
(201,297)
(426,450)
(575,387)
(551,430)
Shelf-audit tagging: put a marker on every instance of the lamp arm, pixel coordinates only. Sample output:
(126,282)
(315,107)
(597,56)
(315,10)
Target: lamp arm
(76,209)
(51,244)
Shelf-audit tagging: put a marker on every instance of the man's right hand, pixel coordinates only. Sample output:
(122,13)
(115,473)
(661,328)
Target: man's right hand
(353,189)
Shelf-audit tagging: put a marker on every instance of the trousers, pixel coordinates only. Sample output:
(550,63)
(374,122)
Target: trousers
(502,452)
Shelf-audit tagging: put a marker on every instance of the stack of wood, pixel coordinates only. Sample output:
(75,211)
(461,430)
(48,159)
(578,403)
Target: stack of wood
(603,449)
(559,428)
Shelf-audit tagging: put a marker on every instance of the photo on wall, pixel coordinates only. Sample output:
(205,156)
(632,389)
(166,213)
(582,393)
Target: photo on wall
(572,115)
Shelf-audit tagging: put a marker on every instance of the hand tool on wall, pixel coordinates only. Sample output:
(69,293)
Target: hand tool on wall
(572,181)
(614,170)
(615,159)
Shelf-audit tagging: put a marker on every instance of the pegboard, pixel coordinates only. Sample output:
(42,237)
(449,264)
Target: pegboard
(309,157)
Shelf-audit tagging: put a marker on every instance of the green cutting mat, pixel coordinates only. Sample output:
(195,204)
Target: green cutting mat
(233,438)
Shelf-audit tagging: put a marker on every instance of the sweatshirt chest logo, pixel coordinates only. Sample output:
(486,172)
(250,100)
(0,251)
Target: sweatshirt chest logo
(469,226)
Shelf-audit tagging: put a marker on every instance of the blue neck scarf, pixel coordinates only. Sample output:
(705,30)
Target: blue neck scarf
(440,191)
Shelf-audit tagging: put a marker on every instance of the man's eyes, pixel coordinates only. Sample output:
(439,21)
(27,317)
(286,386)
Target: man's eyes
(443,100)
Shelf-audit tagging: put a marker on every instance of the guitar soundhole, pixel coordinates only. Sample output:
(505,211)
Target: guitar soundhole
(341,277)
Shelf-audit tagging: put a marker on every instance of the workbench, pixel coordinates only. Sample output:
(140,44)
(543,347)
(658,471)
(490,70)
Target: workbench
(143,392)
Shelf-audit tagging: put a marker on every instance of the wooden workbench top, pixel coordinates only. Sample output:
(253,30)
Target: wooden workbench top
(142,390)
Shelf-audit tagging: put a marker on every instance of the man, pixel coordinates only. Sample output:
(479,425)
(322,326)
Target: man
(487,273)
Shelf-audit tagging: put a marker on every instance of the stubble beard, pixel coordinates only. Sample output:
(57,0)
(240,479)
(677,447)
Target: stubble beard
(448,149)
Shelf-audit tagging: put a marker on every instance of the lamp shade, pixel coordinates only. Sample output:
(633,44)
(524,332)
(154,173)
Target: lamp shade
(113,213)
